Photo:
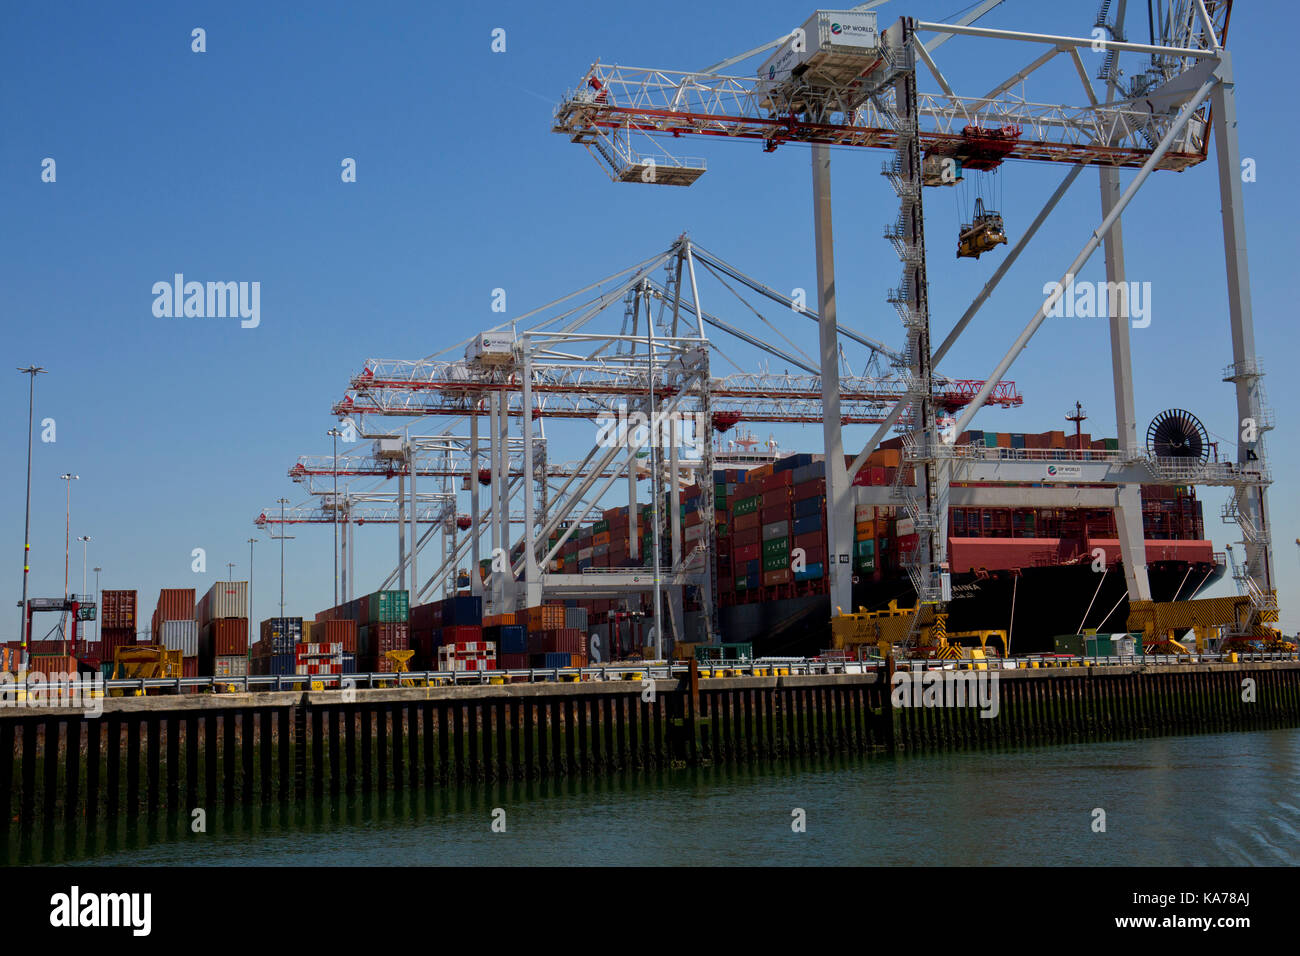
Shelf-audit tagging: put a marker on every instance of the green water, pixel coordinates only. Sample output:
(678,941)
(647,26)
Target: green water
(1226,799)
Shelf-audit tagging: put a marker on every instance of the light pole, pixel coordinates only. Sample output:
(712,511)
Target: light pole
(98,609)
(230,571)
(251,618)
(85,547)
(334,503)
(282,502)
(31,371)
(67,538)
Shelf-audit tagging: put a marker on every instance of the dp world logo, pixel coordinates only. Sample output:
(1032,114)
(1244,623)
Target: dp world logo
(771,72)
(836,29)
(1051,469)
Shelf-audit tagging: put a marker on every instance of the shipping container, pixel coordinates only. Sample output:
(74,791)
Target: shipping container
(117,609)
(174,604)
(226,637)
(462,610)
(388,607)
(181,636)
(224,599)
(235,665)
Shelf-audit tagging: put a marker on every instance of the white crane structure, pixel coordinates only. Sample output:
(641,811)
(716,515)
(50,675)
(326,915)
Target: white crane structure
(637,343)
(822,89)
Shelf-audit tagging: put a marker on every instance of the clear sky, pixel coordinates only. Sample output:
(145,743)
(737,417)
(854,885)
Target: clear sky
(225,165)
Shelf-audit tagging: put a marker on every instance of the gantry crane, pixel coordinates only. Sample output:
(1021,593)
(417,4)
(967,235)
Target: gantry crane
(824,91)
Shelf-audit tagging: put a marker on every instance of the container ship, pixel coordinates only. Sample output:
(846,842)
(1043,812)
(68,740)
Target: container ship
(1028,571)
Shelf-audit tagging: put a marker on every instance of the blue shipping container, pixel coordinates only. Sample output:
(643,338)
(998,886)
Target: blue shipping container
(282,664)
(462,611)
(808,506)
(810,573)
(753,567)
(510,638)
(751,579)
(808,523)
(552,659)
(810,472)
(349,663)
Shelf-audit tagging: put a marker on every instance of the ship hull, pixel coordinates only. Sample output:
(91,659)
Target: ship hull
(1048,601)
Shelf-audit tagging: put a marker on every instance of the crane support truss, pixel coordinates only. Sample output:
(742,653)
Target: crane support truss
(1161,121)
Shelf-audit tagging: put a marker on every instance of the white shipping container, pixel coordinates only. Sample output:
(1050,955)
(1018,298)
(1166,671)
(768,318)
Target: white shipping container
(904,527)
(864,513)
(236,666)
(694,532)
(181,636)
(842,42)
(227,599)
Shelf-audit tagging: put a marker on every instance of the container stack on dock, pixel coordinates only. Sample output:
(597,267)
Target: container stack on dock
(276,654)
(175,627)
(549,641)
(117,624)
(223,629)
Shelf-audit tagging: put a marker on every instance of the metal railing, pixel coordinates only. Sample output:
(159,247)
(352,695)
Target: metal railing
(657,670)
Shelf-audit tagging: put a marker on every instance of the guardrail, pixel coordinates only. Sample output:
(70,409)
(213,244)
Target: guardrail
(661,670)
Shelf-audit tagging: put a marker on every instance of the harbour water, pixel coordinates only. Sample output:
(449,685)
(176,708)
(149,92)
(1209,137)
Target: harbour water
(1220,799)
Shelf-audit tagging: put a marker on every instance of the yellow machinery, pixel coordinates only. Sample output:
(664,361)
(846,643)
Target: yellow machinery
(144,660)
(399,662)
(892,626)
(1160,623)
(982,234)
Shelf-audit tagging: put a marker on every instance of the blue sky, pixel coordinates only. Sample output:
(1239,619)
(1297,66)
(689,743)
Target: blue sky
(225,166)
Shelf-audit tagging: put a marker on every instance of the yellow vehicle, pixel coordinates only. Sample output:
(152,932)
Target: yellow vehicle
(144,661)
(981,235)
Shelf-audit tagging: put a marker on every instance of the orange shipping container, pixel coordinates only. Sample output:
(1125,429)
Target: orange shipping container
(546,617)
(601,538)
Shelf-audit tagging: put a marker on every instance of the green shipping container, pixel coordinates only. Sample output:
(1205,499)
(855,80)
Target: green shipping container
(864,548)
(740,582)
(746,506)
(776,547)
(776,562)
(1069,644)
(600,526)
(389,607)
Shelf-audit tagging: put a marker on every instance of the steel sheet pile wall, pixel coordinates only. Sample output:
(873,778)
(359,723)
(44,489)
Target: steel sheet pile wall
(139,759)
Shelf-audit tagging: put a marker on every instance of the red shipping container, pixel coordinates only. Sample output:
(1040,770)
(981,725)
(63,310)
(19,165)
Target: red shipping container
(784,576)
(812,539)
(748,536)
(565,640)
(512,662)
(748,552)
(812,489)
(778,479)
(461,633)
(117,609)
(174,604)
(226,637)
(190,667)
(340,632)
(52,664)
(779,512)
(389,637)
(775,496)
(745,522)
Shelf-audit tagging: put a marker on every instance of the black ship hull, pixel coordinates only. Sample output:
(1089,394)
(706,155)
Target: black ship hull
(1048,601)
